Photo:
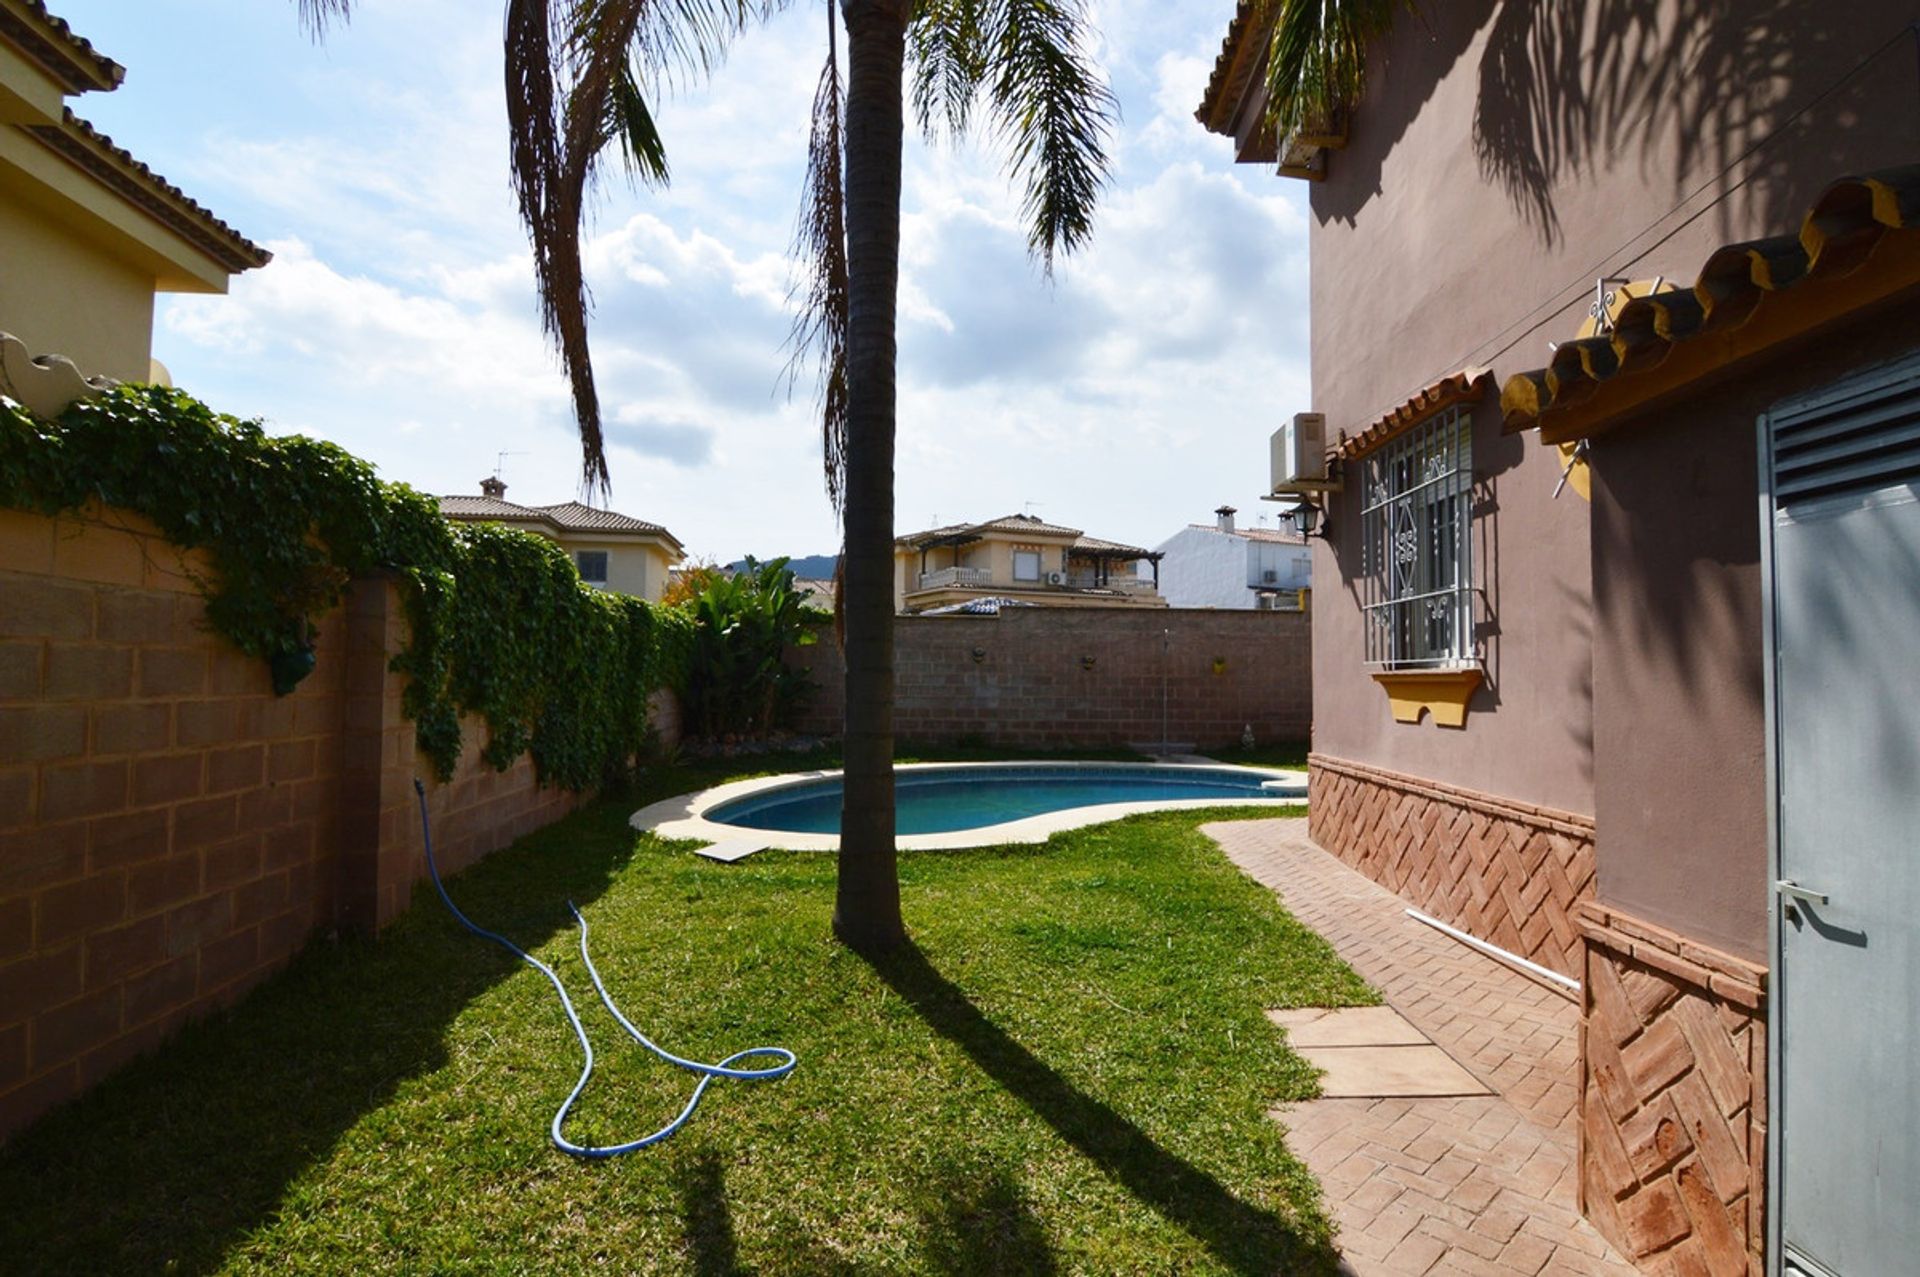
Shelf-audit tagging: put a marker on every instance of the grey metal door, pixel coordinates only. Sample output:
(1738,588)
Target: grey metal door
(1843,514)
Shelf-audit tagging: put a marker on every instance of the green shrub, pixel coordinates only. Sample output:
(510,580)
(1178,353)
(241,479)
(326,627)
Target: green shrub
(502,625)
(737,680)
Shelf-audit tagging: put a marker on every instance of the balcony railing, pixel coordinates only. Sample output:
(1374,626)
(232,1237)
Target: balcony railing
(1118,584)
(944,577)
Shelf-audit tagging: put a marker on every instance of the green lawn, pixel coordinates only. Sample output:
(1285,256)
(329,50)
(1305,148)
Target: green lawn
(1069,1072)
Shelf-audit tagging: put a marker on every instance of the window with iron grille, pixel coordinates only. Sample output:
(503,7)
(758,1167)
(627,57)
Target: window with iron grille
(1417,552)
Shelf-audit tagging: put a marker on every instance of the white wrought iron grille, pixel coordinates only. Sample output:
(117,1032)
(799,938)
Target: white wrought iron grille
(1417,552)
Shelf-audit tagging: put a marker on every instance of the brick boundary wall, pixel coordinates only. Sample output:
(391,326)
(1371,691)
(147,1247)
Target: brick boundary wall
(1505,872)
(1061,677)
(171,832)
(1673,1136)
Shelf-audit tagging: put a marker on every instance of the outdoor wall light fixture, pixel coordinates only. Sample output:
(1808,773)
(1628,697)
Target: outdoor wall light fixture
(1086,662)
(979,655)
(1305,517)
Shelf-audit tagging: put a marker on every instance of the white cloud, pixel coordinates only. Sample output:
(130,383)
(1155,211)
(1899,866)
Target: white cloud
(1129,395)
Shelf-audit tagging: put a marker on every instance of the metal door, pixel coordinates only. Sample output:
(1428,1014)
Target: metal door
(1842,516)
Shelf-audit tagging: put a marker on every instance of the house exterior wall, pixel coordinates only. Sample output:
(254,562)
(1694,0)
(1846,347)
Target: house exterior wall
(636,569)
(171,832)
(1530,142)
(1022,678)
(1204,567)
(61,294)
(1679,718)
(994,553)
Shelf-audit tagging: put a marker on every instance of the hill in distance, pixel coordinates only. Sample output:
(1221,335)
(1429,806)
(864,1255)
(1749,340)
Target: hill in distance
(817,567)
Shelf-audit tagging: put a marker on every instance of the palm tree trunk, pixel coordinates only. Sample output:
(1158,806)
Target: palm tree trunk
(866,912)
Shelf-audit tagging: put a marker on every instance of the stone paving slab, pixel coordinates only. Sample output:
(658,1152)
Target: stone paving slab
(1389,1072)
(1346,1026)
(1430,1187)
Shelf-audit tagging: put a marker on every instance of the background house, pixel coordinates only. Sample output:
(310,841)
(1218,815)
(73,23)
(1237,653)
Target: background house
(612,551)
(1547,721)
(88,234)
(1220,564)
(1022,558)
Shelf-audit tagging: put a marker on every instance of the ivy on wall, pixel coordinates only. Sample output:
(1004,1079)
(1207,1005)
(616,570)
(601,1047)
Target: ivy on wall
(502,626)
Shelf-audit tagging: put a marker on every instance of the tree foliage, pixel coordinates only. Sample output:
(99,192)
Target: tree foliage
(1317,58)
(738,682)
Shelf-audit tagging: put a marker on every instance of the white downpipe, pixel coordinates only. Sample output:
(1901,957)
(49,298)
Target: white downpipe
(1495,951)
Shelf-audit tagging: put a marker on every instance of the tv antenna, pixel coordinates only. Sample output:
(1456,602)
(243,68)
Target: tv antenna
(1030,505)
(500,461)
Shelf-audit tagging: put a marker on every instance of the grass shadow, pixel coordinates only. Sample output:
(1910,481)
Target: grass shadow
(172,1162)
(981,1222)
(1241,1236)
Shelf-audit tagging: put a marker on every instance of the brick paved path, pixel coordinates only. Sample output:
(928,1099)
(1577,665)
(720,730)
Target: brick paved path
(1480,1184)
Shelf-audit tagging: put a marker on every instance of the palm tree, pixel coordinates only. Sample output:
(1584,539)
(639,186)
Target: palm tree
(577,75)
(1023,59)
(1316,61)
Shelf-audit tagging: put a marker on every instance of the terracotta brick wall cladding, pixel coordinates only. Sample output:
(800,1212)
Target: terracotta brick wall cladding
(170,830)
(1507,872)
(1060,677)
(1673,1097)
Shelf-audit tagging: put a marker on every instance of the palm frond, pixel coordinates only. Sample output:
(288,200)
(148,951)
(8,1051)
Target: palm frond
(316,15)
(949,56)
(1055,112)
(577,77)
(819,334)
(1317,60)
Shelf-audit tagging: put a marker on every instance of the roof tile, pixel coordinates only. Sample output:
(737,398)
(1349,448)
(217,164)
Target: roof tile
(1845,225)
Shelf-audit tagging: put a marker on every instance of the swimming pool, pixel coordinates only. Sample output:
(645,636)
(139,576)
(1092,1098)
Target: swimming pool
(948,805)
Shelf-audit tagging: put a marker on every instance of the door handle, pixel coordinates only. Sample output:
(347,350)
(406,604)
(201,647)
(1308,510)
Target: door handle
(1794,891)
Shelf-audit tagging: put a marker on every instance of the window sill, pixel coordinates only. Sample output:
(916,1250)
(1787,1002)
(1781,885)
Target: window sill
(1442,693)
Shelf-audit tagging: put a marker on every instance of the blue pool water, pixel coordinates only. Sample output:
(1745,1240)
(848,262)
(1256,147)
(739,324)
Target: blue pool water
(942,800)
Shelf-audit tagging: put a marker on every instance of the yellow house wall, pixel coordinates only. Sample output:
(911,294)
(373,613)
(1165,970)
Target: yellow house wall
(637,569)
(61,295)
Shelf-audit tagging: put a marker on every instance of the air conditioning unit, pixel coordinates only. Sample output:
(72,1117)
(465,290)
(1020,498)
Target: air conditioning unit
(1270,576)
(1300,454)
(1056,578)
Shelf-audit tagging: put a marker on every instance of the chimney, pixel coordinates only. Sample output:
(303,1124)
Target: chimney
(1224,518)
(491,486)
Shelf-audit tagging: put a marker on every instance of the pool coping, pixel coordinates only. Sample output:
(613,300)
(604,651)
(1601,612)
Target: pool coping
(684,815)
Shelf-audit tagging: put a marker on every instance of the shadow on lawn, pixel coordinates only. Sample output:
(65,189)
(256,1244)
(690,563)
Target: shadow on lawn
(1245,1238)
(172,1162)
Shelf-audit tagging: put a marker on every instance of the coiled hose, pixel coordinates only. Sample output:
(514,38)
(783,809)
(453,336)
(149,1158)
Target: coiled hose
(707,1072)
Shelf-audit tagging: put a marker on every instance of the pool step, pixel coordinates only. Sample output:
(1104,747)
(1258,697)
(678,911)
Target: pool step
(733,849)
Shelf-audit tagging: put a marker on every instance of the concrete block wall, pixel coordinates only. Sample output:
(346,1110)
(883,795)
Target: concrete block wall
(171,832)
(1064,677)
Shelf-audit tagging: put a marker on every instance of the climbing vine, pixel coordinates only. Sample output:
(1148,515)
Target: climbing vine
(502,626)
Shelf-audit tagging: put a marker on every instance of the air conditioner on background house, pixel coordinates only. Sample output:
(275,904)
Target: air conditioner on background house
(1056,578)
(1270,576)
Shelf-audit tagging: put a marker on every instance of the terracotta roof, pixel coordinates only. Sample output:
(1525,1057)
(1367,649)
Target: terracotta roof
(1234,69)
(1005,523)
(1747,299)
(1254,534)
(575,517)
(489,508)
(95,154)
(1092,546)
(72,62)
(568,516)
(1459,387)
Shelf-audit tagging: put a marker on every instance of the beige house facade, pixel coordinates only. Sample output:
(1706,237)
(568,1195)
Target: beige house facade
(611,551)
(1023,559)
(88,233)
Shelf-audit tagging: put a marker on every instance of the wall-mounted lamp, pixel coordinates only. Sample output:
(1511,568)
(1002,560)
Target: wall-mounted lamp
(1306,516)
(1086,662)
(979,655)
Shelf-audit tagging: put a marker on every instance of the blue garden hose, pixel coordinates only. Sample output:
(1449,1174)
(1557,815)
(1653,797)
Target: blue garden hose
(707,1072)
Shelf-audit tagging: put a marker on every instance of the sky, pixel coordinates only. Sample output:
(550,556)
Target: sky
(1128,396)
